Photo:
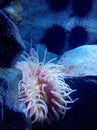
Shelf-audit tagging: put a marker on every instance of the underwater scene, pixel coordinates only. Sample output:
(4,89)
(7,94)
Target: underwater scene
(48,64)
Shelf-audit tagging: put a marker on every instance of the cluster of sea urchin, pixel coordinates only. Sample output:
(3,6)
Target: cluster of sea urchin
(43,94)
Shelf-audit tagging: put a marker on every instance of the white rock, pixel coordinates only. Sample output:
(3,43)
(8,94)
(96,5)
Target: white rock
(81,61)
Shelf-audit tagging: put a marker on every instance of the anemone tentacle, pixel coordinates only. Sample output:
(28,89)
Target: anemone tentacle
(42,91)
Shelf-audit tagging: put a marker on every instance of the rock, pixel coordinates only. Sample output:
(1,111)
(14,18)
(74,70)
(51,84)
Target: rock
(13,10)
(80,61)
(1,109)
(9,79)
(11,118)
(11,44)
(83,113)
(12,14)
(17,6)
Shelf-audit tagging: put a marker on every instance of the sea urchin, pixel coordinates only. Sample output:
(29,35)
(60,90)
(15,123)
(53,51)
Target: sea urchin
(81,7)
(43,94)
(58,5)
(78,36)
(54,39)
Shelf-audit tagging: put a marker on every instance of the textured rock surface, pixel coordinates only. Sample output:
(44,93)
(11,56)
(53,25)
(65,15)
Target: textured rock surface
(9,79)
(11,44)
(13,10)
(10,117)
(1,109)
(81,61)
(13,120)
(83,113)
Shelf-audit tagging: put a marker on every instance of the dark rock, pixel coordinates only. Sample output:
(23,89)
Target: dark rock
(3,85)
(11,44)
(83,113)
(1,109)
(13,120)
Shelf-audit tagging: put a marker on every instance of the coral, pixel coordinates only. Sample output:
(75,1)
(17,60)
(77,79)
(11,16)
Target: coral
(58,5)
(78,36)
(81,7)
(43,93)
(54,38)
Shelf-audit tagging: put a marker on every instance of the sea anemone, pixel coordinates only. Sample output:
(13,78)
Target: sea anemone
(54,38)
(43,93)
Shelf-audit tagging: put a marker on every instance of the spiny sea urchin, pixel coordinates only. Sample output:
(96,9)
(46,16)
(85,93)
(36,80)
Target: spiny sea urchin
(81,7)
(57,5)
(43,93)
(54,38)
(78,36)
